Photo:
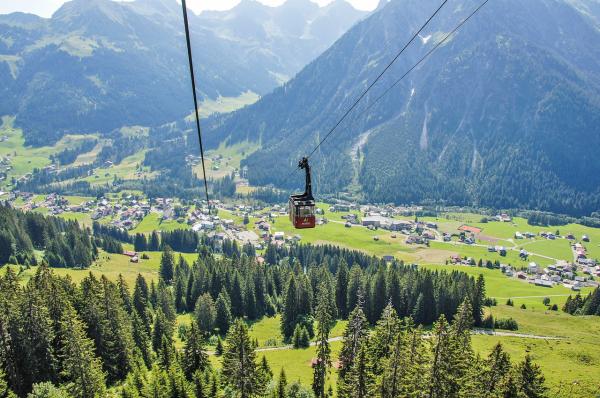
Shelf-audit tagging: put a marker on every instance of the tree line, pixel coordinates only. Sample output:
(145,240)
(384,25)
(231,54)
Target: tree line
(65,243)
(588,305)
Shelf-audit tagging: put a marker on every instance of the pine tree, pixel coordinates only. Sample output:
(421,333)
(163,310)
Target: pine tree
(179,293)
(223,313)
(199,385)
(281,392)
(383,338)
(341,289)
(140,302)
(404,371)
(141,338)
(163,328)
(205,313)
(165,301)
(324,324)
(531,380)
(380,296)
(140,243)
(355,336)
(359,378)
(240,371)
(157,384)
(167,265)
(265,368)
(5,392)
(80,367)
(189,293)
(440,373)
(33,338)
(290,309)
(237,297)
(497,369)
(154,244)
(194,358)
(478,300)
(124,294)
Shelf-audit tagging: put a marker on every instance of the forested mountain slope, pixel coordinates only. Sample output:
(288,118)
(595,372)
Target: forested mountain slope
(97,65)
(505,114)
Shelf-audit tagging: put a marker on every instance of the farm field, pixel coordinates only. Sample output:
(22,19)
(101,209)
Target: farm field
(25,159)
(110,265)
(153,222)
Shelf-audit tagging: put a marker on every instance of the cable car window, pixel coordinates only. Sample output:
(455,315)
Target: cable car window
(306,211)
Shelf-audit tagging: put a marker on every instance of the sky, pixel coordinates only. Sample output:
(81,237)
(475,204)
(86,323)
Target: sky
(45,8)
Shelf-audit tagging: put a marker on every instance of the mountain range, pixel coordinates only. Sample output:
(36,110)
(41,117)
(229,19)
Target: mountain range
(505,114)
(97,65)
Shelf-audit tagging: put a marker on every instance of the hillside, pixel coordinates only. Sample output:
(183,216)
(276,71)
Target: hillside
(100,65)
(503,115)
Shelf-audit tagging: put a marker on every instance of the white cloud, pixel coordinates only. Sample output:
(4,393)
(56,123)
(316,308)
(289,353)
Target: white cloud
(46,8)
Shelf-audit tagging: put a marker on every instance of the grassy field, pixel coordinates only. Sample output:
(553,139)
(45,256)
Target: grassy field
(25,159)
(153,222)
(230,158)
(502,288)
(112,265)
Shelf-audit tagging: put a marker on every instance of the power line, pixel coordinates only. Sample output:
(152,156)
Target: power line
(379,77)
(189,50)
(445,39)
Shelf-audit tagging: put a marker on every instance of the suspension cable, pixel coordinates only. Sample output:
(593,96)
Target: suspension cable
(190,59)
(412,39)
(438,44)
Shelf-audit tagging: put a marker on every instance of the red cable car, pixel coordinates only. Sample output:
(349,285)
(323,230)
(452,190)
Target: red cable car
(302,206)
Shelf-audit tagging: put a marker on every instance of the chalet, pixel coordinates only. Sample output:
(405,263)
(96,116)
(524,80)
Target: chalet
(529,235)
(129,253)
(570,237)
(375,221)
(543,283)
(585,238)
(432,225)
(447,238)
(399,225)
(523,254)
(414,239)
(501,250)
(504,217)
(388,258)
(532,268)
(279,235)
(518,235)
(134,259)
(428,235)
(521,275)
(492,249)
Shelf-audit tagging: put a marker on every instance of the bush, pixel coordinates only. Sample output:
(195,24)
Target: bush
(510,303)
(546,301)
(490,302)
(300,338)
(554,307)
(488,322)
(506,324)
(523,306)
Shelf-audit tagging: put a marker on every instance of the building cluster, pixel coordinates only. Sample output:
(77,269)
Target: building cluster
(571,276)
(5,167)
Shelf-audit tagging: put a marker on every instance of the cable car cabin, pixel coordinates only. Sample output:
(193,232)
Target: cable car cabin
(302,206)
